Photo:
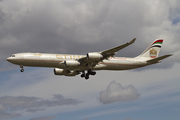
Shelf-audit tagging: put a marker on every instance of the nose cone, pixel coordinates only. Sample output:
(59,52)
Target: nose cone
(8,59)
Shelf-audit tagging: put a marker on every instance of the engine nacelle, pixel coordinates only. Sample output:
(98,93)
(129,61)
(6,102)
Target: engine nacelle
(71,63)
(73,73)
(94,56)
(58,71)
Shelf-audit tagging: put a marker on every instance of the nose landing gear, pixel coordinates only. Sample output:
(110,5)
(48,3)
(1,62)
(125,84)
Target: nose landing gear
(22,70)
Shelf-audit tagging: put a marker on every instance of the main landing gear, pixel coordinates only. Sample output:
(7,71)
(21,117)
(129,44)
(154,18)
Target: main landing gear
(22,70)
(86,75)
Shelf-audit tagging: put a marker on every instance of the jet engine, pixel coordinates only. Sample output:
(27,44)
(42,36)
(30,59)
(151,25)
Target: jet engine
(94,56)
(73,73)
(58,71)
(71,63)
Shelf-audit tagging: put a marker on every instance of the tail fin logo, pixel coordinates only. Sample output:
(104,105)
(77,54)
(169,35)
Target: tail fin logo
(157,43)
(153,50)
(153,53)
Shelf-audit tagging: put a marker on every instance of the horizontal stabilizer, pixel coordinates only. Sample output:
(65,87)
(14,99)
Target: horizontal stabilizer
(155,60)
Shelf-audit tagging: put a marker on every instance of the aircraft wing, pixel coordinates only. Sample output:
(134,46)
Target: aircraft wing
(84,61)
(105,54)
(112,51)
(156,60)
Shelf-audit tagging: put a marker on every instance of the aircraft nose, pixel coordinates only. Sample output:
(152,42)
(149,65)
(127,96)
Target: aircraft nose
(8,59)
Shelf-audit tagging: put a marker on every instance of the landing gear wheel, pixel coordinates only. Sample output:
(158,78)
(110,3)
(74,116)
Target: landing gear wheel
(82,75)
(22,70)
(87,76)
(93,73)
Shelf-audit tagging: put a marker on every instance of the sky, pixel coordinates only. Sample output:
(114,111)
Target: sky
(79,27)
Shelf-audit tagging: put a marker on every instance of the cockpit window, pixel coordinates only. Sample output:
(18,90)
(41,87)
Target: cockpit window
(12,56)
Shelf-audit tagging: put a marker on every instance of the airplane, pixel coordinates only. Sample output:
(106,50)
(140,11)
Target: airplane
(72,65)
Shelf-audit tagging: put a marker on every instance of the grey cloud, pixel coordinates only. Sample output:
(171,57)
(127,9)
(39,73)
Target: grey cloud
(44,118)
(5,115)
(116,93)
(78,27)
(127,119)
(30,104)
(34,110)
(22,102)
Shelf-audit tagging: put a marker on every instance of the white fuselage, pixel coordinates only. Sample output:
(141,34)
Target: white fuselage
(56,60)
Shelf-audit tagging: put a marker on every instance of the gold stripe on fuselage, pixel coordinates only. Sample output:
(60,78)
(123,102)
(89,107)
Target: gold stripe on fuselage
(73,57)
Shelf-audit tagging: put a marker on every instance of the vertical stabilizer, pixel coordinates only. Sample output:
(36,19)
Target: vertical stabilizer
(153,50)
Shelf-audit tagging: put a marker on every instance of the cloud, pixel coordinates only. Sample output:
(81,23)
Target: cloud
(65,26)
(22,102)
(34,110)
(127,119)
(44,118)
(5,115)
(116,93)
(30,104)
